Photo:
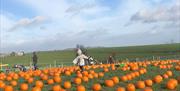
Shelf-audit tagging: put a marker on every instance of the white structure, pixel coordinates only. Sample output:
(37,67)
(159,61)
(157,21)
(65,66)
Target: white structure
(19,54)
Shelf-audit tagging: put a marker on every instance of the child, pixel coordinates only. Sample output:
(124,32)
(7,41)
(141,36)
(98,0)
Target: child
(80,60)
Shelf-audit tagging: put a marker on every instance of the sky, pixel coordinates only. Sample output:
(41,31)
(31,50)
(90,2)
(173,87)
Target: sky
(34,25)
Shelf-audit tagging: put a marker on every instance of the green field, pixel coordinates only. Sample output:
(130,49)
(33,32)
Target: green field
(101,54)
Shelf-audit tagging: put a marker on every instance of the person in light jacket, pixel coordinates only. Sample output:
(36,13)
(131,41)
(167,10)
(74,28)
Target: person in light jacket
(80,60)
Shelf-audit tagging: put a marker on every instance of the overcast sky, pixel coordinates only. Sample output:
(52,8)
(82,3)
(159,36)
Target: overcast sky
(29,25)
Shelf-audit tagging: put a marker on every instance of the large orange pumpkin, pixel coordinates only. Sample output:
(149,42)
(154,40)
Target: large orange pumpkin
(173,81)
(68,73)
(39,84)
(81,88)
(115,79)
(8,88)
(13,83)
(85,79)
(109,83)
(170,85)
(165,76)
(24,87)
(147,89)
(169,73)
(50,81)
(140,84)
(120,89)
(148,82)
(67,84)
(30,80)
(57,79)
(96,87)
(2,84)
(101,74)
(124,78)
(130,87)
(157,79)
(77,80)
(45,77)
(36,89)
(56,88)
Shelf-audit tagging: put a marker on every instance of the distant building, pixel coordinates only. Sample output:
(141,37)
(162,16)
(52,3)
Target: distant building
(20,54)
(17,53)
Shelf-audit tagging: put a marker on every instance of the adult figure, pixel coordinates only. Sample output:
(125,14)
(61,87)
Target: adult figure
(110,60)
(35,60)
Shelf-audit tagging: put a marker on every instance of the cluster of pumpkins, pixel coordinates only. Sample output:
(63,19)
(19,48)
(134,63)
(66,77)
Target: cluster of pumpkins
(53,75)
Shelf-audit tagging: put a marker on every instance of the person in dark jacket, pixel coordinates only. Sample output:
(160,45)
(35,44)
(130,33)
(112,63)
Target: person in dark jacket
(34,59)
(110,60)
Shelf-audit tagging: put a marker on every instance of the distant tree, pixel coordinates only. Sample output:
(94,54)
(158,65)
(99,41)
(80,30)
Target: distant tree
(12,54)
(23,53)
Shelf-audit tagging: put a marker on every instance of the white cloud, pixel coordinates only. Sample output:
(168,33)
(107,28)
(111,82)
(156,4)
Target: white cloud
(89,23)
(161,14)
(26,22)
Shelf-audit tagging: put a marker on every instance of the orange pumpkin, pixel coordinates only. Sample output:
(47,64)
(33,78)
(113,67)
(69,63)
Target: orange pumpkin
(130,87)
(101,74)
(77,80)
(124,78)
(79,75)
(81,88)
(68,73)
(106,69)
(67,84)
(115,79)
(8,88)
(50,81)
(147,89)
(140,84)
(157,79)
(96,87)
(85,79)
(173,81)
(24,87)
(2,84)
(148,82)
(170,85)
(13,83)
(120,89)
(45,77)
(30,80)
(169,73)
(39,84)
(56,88)
(36,89)
(109,83)
(129,77)
(57,79)
(8,78)
(165,76)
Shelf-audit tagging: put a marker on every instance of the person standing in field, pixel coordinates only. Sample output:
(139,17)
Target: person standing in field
(34,59)
(110,60)
(80,60)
